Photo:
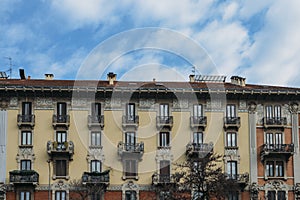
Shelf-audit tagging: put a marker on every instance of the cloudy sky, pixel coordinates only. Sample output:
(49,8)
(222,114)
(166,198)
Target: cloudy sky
(142,40)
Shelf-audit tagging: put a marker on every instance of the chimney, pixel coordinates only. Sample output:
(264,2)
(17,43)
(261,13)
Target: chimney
(192,78)
(111,77)
(49,76)
(22,74)
(237,80)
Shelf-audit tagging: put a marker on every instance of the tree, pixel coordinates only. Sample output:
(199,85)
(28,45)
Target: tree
(203,176)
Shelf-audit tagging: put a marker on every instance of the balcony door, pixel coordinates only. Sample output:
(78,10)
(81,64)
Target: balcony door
(197,138)
(96,109)
(130,140)
(26,111)
(130,112)
(232,169)
(230,111)
(198,110)
(61,138)
(164,171)
(164,110)
(61,112)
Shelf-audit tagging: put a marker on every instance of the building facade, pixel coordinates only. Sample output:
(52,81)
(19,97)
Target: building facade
(124,137)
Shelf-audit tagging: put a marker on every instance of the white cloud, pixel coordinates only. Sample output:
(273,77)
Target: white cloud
(274,55)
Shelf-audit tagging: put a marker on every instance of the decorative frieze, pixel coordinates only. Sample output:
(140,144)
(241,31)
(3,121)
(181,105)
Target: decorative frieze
(260,114)
(95,153)
(25,153)
(130,186)
(180,104)
(113,103)
(79,103)
(147,104)
(215,105)
(43,103)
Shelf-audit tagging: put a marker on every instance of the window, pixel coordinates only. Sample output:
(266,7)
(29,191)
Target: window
(26,111)
(130,195)
(275,168)
(60,195)
(25,195)
(61,112)
(232,169)
(280,195)
(130,168)
(61,138)
(95,138)
(164,139)
(26,138)
(164,171)
(95,166)
(230,111)
(274,140)
(96,109)
(231,139)
(233,196)
(61,168)
(130,141)
(273,113)
(198,110)
(197,137)
(25,164)
(164,110)
(130,112)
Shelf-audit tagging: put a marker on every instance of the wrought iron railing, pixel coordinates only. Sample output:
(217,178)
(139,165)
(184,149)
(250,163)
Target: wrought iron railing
(232,121)
(23,176)
(61,120)
(95,177)
(130,119)
(198,120)
(199,148)
(241,178)
(275,121)
(24,120)
(162,178)
(96,119)
(164,121)
(278,148)
(53,147)
(131,147)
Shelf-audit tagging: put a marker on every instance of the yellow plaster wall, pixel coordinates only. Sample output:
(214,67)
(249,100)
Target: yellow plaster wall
(243,143)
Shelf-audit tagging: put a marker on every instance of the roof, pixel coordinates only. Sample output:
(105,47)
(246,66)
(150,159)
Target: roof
(71,85)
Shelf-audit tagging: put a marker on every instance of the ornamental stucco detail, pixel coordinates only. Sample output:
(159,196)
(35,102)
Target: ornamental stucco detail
(95,153)
(25,154)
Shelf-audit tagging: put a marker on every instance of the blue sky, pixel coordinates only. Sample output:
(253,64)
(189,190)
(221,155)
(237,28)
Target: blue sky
(259,40)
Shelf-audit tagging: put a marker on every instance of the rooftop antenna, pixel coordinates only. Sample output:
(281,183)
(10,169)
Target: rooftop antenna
(10,66)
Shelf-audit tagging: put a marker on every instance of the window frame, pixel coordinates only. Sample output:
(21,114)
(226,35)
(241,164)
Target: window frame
(164,110)
(60,195)
(130,195)
(130,111)
(198,137)
(95,166)
(26,138)
(198,110)
(275,169)
(95,137)
(231,139)
(96,109)
(164,139)
(231,111)
(130,168)
(25,195)
(232,169)
(61,168)
(25,164)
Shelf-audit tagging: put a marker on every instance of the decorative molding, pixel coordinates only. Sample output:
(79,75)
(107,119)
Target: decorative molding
(214,105)
(13,102)
(252,107)
(4,101)
(146,104)
(254,190)
(276,185)
(130,186)
(286,113)
(95,153)
(113,103)
(60,185)
(44,103)
(25,153)
(180,104)
(297,190)
(294,108)
(76,102)
(260,113)
(163,154)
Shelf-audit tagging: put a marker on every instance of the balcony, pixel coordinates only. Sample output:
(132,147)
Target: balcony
(130,121)
(198,121)
(60,149)
(98,178)
(96,121)
(164,122)
(26,121)
(275,122)
(232,122)
(160,179)
(241,179)
(276,150)
(128,149)
(198,150)
(30,177)
(61,121)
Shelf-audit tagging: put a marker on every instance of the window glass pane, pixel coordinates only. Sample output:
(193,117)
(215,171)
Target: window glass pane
(281,195)
(26,109)
(278,138)
(96,109)
(271,195)
(269,112)
(198,137)
(230,111)
(130,111)
(231,140)
(164,110)
(164,139)
(270,168)
(277,111)
(198,110)
(95,138)
(269,138)
(61,167)
(130,168)
(279,169)
(95,166)
(61,108)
